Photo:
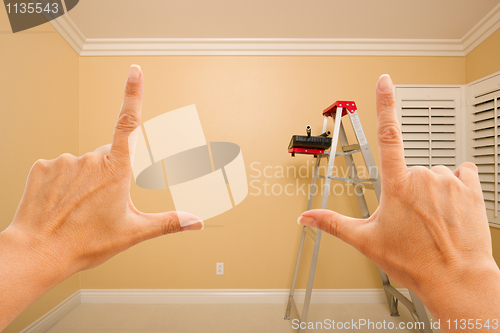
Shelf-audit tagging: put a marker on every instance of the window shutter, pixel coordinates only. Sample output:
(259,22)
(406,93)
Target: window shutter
(429,118)
(485,109)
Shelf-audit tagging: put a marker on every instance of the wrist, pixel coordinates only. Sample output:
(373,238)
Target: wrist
(463,292)
(36,265)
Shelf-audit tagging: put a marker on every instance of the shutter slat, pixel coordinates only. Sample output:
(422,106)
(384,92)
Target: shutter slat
(489,123)
(489,196)
(443,153)
(443,112)
(486,168)
(484,107)
(487,187)
(485,98)
(415,128)
(481,151)
(416,152)
(487,177)
(437,104)
(417,144)
(488,141)
(443,136)
(415,136)
(484,133)
(484,160)
(443,129)
(443,144)
(444,160)
(414,112)
(417,161)
(443,120)
(483,115)
(415,120)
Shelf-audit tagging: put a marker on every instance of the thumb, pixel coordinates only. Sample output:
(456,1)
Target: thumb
(155,225)
(348,229)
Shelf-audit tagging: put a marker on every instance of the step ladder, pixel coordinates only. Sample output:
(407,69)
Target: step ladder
(338,111)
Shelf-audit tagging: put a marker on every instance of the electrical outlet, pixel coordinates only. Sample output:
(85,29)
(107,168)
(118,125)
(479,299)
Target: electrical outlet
(219,268)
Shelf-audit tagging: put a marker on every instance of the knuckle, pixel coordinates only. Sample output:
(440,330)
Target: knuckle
(452,183)
(390,134)
(421,172)
(439,167)
(468,165)
(127,122)
(88,158)
(65,160)
(132,89)
(40,166)
(66,157)
(169,227)
(330,226)
(386,101)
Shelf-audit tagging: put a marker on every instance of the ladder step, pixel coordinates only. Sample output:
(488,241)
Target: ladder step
(350,152)
(353,180)
(310,232)
(402,298)
(351,147)
(368,186)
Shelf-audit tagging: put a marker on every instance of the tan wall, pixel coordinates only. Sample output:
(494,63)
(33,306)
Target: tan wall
(258,103)
(39,107)
(483,60)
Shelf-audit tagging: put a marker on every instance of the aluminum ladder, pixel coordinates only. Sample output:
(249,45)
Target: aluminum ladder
(338,111)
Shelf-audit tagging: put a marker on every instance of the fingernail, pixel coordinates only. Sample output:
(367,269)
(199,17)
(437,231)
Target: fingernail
(306,220)
(134,74)
(196,226)
(189,221)
(385,84)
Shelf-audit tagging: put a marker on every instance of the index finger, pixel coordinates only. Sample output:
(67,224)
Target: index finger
(390,140)
(130,115)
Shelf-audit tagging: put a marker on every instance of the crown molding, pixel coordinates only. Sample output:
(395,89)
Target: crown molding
(70,32)
(276,46)
(482,30)
(270,47)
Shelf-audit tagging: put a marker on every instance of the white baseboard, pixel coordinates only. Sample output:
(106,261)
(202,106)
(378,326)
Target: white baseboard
(53,316)
(203,296)
(230,296)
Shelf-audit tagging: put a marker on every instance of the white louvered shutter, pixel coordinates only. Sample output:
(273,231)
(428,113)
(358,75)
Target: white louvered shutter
(484,104)
(430,124)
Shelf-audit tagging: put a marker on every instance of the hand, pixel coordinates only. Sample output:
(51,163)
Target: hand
(430,232)
(76,213)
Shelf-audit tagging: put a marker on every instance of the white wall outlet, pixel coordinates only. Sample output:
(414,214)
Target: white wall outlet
(219,268)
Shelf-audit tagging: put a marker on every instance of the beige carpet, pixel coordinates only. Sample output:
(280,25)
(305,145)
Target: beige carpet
(263,318)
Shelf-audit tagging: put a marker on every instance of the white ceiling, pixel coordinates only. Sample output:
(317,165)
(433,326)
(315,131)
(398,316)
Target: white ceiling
(392,19)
